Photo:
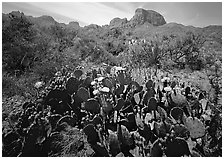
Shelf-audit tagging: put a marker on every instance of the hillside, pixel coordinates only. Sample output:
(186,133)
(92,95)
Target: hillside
(142,25)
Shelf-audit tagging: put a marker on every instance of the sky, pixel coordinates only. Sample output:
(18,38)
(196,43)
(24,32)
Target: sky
(198,14)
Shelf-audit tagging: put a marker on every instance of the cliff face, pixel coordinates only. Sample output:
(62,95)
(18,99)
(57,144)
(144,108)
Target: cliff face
(141,16)
(118,21)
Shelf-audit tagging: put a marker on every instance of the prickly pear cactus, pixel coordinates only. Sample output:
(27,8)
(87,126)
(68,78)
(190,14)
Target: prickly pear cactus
(152,104)
(83,93)
(119,90)
(108,107)
(177,147)
(191,144)
(135,87)
(149,84)
(78,73)
(162,128)
(114,145)
(151,117)
(127,109)
(92,105)
(195,154)
(91,133)
(120,104)
(149,94)
(87,82)
(156,149)
(178,99)
(68,119)
(107,83)
(184,118)
(162,112)
(176,113)
(132,126)
(72,85)
(121,78)
(181,131)
(124,136)
(100,150)
(196,127)
(97,120)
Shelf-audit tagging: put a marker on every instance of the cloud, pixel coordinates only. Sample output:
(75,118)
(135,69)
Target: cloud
(89,13)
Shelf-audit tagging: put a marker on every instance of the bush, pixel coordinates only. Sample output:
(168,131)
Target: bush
(9,86)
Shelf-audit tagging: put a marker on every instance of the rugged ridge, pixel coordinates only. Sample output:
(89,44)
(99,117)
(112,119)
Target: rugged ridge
(145,23)
(141,16)
(118,21)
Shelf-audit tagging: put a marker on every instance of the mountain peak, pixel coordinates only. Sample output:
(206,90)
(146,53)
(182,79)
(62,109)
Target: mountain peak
(118,21)
(47,18)
(73,24)
(141,16)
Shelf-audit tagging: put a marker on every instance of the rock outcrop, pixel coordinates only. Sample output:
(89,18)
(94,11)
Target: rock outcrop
(118,21)
(141,16)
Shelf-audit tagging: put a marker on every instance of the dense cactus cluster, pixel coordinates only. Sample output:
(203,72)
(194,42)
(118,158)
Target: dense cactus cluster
(117,116)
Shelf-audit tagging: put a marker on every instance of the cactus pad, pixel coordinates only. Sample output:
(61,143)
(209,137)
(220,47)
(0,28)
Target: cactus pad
(92,105)
(72,85)
(68,119)
(149,84)
(178,99)
(119,90)
(107,83)
(91,133)
(156,149)
(176,113)
(87,81)
(181,131)
(152,104)
(162,129)
(120,104)
(78,73)
(97,120)
(114,144)
(196,127)
(100,150)
(162,112)
(149,94)
(178,147)
(83,93)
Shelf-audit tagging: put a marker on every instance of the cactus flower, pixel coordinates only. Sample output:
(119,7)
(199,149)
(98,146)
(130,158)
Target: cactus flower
(39,84)
(93,83)
(95,92)
(105,89)
(100,79)
(168,89)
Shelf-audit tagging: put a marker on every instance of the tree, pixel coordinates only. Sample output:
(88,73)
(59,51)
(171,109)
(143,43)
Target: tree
(185,50)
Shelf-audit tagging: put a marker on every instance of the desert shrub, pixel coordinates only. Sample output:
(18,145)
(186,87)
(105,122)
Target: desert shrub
(45,70)
(21,86)
(17,43)
(9,86)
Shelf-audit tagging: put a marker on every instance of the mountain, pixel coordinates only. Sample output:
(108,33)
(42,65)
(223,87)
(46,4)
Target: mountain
(143,24)
(118,22)
(141,16)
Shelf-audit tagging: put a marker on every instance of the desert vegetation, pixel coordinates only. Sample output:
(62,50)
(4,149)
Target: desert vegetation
(129,88)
